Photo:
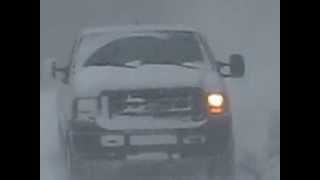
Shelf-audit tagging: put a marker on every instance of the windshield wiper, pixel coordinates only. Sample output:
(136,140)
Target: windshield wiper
(122,65)
(112,64)
(171,63)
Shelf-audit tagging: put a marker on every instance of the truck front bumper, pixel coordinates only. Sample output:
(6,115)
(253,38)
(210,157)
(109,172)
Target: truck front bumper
(208,140)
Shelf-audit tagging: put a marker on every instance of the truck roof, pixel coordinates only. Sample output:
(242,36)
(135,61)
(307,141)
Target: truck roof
(133,28)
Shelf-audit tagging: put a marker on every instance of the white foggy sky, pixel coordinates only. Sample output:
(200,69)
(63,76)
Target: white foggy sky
(228,19)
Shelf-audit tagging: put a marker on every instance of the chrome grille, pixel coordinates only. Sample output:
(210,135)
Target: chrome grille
(156,102)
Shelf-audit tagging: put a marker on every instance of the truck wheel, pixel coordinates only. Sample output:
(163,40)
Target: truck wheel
(74,168)
(70,166)
(222,167)
(61,139)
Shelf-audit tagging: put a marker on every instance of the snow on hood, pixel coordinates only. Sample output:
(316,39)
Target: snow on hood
(91,81)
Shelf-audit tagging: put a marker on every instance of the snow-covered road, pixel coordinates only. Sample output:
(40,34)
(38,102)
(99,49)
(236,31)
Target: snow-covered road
(51,166)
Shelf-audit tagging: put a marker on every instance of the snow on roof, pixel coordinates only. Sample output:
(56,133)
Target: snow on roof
(132,28)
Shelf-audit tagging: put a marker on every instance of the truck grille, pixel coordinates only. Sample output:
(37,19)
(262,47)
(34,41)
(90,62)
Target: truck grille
(156,102)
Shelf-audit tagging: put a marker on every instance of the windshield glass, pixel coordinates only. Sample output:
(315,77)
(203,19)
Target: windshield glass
(149,48)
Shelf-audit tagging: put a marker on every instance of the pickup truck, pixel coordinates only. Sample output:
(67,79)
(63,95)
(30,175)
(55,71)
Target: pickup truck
(130,91)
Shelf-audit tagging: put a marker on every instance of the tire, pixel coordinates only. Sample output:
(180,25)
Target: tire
(61,139)
(70,164)
(75,169)
(222,167)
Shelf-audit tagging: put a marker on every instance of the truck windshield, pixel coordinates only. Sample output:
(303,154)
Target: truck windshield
(174,48)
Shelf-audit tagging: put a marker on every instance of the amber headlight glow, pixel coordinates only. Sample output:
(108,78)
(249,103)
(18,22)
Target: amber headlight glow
(216,102)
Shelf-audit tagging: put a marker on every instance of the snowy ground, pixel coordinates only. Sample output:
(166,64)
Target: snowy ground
(253,162)
(51,166)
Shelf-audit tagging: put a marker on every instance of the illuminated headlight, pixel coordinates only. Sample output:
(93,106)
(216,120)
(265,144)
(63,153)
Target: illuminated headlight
(215,100)
(216,103)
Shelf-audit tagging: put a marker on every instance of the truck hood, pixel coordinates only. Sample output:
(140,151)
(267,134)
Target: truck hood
(91,81)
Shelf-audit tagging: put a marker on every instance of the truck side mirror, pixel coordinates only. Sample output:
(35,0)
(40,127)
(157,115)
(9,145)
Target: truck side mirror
(237,65)
(54,70)
(235,68)
(57,70)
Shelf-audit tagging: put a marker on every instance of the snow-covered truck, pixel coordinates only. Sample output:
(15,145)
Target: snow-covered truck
(135,90)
